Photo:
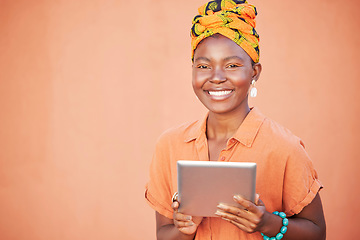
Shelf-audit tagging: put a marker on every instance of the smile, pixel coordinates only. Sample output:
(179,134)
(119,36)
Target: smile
(219,93)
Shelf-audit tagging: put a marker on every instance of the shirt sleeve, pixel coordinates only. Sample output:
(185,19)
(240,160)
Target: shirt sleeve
(301,183)
(158,189)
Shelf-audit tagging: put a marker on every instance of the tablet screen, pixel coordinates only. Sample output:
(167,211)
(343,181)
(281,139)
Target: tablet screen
(202,185)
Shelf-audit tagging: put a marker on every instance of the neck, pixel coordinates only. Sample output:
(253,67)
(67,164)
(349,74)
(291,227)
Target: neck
(221,127)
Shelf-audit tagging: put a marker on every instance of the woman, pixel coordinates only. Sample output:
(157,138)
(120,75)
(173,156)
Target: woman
(225,68)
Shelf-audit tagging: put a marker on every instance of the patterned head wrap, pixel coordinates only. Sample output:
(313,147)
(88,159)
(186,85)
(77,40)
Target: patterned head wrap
(234,19)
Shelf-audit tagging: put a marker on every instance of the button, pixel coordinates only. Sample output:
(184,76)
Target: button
(222,158)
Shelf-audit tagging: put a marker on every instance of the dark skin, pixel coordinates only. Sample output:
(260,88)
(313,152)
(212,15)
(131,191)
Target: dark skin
(222,75)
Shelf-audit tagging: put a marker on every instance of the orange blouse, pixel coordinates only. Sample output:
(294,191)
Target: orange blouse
(286,179)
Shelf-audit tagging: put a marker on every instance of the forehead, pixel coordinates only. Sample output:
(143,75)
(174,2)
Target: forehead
(219,47)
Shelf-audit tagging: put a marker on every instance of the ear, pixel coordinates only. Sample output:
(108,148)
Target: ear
(256,71)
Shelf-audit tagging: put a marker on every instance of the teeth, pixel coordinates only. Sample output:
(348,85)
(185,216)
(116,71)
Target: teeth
(219,93)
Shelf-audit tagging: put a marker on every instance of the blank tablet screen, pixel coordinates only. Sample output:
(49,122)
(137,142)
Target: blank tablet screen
(202,185)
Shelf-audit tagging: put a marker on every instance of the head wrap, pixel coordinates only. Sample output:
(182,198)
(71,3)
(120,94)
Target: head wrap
(234,19)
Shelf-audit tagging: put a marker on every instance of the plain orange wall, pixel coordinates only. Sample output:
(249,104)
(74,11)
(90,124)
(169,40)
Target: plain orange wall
(86,87)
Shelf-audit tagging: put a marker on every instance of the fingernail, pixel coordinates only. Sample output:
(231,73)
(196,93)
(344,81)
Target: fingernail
(237,197)
(220,205)
(218,213)
(188,218)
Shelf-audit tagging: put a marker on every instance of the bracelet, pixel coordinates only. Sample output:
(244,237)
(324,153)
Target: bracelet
(283,229)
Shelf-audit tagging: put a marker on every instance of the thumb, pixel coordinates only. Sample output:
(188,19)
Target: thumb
(175,205)
(259,202)
(257,197)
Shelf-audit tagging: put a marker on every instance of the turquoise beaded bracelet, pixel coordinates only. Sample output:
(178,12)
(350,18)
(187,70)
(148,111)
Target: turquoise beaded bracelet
(283,229)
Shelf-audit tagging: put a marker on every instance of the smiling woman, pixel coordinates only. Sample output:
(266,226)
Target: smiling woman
(225,66)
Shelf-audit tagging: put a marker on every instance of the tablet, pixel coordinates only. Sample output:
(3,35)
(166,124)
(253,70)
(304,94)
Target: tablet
(202,185)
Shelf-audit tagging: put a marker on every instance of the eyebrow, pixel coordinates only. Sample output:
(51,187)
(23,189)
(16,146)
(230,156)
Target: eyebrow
(202,58)
(232,57)
(226,59)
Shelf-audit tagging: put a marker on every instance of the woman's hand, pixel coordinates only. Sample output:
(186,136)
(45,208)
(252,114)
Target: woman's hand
(249,219)
(186,224)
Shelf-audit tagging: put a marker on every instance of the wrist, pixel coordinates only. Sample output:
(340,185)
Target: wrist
(278,227)
(271,223)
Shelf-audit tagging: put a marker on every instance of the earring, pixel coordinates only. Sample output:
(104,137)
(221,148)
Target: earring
(253,90)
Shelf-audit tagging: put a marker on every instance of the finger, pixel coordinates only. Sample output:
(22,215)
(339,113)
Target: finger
(243,213)
(175,206)
(182,217)
(260,203)
(242,223)
(182,220)
(250,206)
(257,197)
(183,224)
(239,217)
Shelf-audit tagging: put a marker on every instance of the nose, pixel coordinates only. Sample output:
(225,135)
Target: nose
(218,76)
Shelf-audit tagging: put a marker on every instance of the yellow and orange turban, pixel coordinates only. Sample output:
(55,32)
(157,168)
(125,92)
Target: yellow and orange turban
(234,19)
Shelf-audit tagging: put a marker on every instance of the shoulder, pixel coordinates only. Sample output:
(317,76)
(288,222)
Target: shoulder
(284,149)
(179,133)
(281,138)
(279,132)
(173,141)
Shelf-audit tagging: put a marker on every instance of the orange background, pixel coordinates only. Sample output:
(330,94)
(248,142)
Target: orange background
(88,86)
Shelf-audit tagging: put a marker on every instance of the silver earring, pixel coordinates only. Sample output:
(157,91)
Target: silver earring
(253,90)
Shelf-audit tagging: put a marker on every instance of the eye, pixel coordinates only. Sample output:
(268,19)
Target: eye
(202,66)
(232,65)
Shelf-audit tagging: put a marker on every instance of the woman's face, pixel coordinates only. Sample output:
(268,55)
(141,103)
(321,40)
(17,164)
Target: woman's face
(222,75)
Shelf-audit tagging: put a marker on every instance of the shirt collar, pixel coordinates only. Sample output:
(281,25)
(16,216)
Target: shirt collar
(198,129)
(245,134)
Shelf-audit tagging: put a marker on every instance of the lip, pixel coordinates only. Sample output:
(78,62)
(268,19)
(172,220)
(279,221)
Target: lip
(219,94)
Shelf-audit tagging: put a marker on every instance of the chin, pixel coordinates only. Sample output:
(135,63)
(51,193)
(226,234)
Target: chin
(219,110)
(226,108)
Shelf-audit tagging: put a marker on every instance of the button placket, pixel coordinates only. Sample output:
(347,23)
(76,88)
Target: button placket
(222,156)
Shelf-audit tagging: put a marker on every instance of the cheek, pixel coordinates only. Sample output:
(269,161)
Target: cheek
(198,80)
(243,83)
(241,79)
